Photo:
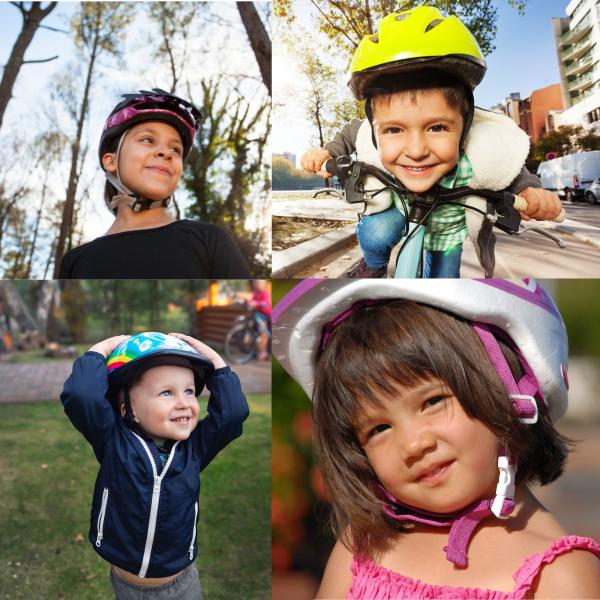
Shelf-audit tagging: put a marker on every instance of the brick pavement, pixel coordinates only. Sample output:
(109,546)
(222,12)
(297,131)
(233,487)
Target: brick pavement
(44,380)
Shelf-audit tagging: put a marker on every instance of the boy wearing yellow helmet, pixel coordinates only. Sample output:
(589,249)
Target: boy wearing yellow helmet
(417,76)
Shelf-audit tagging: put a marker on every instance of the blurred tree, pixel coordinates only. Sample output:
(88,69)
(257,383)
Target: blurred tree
(175,21)
(73,299)
(566,140)
(230,160)
(258,38)
(32,19)
(285,177)
(345,22)
(99,28)
(318,100)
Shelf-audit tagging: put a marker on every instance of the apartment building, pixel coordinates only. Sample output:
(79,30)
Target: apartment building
(577,40)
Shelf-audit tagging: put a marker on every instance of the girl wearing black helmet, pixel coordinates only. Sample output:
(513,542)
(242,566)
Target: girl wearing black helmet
(144,143)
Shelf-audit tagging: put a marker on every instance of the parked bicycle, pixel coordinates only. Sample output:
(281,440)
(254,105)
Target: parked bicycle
(242,340)
(406,260)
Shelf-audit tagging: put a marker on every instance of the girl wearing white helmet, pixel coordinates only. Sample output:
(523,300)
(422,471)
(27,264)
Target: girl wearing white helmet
(145,141)
(433,407)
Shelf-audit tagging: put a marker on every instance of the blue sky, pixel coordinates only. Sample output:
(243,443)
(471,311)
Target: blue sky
(524,60)
(525,55)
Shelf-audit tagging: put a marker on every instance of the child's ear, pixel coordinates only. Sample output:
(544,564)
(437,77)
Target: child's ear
(109,162)
(122,406)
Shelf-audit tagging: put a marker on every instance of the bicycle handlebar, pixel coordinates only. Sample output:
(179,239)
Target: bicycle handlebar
(350,172)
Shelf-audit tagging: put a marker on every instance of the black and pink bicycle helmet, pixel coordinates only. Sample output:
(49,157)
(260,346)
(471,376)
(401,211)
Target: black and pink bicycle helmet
(154,105)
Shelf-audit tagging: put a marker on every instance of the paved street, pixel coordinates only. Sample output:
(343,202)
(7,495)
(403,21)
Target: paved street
(529,255)
(44,381)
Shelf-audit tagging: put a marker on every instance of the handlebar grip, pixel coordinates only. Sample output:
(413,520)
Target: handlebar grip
(520,203)
(330,166)
(521,206)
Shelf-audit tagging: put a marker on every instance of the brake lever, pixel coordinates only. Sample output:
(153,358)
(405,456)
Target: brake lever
(330,192)
(541,231)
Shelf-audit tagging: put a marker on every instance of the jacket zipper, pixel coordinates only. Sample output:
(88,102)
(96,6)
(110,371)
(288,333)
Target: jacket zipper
(154,504)
(194,532)
(100,523)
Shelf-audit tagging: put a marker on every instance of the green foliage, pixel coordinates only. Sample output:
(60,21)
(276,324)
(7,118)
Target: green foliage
(285,177)
(345,22)
(228,162)
(102,25)
(566,140)
(578,303)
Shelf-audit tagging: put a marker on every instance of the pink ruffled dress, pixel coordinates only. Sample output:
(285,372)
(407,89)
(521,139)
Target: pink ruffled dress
(372,582)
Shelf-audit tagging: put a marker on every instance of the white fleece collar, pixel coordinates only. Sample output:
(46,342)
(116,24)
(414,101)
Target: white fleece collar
(497,149)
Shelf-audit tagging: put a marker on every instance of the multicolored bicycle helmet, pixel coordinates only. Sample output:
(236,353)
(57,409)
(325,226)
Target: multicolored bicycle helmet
(521,312)
(412,40)
(145,350)
(154,105)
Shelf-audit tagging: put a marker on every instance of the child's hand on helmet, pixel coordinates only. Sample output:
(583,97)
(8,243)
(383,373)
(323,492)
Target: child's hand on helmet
(105,347)
(215,358)
(542,205)
(313,159)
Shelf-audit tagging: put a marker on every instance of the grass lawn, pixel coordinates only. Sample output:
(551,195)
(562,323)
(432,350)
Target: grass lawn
(47,473)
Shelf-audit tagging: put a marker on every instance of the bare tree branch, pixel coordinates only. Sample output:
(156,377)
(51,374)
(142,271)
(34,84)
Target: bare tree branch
(41,60)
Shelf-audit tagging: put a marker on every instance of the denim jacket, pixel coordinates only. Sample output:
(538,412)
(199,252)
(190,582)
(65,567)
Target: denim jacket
(144,517)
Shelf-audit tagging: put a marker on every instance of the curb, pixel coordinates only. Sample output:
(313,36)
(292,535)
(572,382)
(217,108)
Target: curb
(287,263)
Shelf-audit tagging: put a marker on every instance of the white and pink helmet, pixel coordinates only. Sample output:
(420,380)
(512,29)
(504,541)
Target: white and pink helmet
(520,310)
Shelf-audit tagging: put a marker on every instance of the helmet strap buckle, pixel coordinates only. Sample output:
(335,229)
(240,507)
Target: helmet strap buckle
(505,490)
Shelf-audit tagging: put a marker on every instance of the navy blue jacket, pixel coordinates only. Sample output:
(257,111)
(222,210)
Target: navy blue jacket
(143,517)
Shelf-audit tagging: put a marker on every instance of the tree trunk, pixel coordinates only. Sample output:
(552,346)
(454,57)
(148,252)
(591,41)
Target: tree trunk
(67,216)
(259,40)
(31,21)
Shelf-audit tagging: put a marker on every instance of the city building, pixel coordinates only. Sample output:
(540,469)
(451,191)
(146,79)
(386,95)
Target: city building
(577,40)
(536,114)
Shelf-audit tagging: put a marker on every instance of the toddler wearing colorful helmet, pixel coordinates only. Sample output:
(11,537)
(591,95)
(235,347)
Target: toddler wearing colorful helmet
(433,407)
(417,76)
(134,400)
(144,143)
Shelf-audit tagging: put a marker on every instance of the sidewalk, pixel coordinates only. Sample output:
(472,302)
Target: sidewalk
(44,380)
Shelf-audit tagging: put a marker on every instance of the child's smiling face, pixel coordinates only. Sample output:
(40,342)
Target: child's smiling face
(150,160)
(164,403)
(427,451)
(418,136)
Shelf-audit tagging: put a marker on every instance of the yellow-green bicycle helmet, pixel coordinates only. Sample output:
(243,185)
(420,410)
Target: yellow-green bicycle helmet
(413,40)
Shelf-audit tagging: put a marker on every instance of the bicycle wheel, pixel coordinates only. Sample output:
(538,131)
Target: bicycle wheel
(240,344)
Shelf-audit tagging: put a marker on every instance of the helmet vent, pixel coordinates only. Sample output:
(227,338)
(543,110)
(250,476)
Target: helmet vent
(375,39)
(433,24)
(403,16)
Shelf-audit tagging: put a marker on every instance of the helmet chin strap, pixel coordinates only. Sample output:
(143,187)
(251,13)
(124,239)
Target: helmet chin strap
(463,523)
(127,197)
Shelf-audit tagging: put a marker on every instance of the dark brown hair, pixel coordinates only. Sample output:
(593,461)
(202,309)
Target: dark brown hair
(403,342)
(454,92)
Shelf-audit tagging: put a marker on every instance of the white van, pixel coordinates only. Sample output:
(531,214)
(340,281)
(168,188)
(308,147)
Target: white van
(557,174)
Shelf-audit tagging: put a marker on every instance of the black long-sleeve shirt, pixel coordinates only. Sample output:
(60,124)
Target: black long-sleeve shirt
(181,250)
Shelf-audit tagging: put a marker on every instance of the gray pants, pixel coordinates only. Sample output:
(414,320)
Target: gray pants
(186,586)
